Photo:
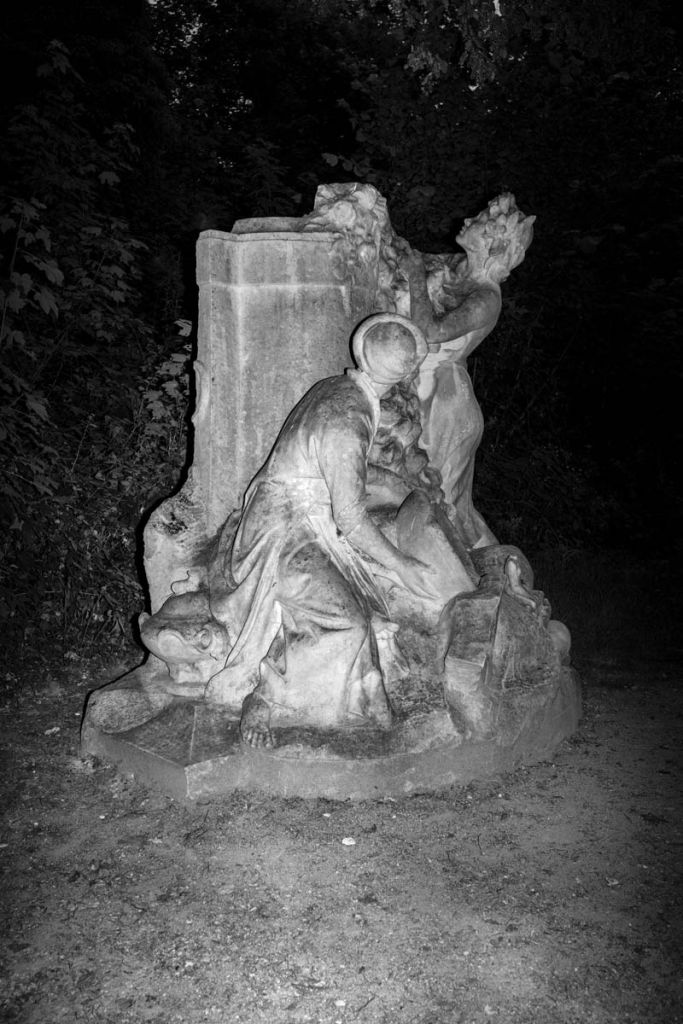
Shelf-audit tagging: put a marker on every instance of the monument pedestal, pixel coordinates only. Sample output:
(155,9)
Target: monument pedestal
(192,751)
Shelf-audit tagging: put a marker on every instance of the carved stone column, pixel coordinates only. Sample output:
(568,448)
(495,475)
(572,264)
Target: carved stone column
(277,306)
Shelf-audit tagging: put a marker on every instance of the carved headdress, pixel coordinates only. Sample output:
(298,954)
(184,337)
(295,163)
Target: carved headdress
(388,347)
(502,228)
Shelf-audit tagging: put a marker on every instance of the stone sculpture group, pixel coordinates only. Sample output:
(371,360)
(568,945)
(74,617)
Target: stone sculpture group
(357,591)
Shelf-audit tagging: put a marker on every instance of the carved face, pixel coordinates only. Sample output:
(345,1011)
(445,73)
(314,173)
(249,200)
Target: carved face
(187,638)
(472,235)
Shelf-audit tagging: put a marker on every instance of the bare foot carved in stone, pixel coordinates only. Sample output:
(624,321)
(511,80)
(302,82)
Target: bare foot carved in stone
(255,722)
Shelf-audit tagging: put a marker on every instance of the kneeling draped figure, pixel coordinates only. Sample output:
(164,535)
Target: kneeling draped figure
(309,635)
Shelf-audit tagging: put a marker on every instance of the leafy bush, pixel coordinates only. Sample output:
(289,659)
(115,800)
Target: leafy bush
(92,403)
(69,559)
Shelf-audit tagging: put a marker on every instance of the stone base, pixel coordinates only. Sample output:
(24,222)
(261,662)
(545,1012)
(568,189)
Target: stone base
(192,750)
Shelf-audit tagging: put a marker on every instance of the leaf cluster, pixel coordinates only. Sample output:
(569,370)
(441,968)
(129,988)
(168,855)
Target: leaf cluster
(85,440)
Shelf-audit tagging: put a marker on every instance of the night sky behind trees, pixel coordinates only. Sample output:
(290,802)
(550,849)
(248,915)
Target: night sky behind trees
(129,128)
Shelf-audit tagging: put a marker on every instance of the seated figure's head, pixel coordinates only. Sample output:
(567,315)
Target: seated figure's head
(388,347)
(499,235)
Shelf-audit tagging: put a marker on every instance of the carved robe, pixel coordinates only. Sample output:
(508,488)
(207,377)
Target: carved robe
(300,616)
(452,427)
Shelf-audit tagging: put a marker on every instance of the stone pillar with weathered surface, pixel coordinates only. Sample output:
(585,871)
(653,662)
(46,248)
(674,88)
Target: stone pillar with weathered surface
(276,311)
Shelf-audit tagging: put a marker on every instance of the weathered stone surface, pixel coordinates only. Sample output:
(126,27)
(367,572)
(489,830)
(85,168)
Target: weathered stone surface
(456,300)
(193,751)
(276,311)
(276,318)
(346,604)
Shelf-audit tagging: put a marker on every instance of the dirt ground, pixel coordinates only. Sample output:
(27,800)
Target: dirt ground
(548,895)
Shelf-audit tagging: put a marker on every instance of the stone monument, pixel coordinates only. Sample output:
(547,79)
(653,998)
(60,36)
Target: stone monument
(329,613)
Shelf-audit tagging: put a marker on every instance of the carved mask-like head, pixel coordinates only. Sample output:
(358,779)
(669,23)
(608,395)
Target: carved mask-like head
(388,348)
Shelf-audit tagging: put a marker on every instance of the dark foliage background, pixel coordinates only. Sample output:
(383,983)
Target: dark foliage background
(128,127)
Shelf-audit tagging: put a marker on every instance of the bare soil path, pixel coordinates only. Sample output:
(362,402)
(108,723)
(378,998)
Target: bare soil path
(548,896)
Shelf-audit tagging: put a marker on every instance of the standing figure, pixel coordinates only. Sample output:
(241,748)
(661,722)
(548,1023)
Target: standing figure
(296,591)
(456,301)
